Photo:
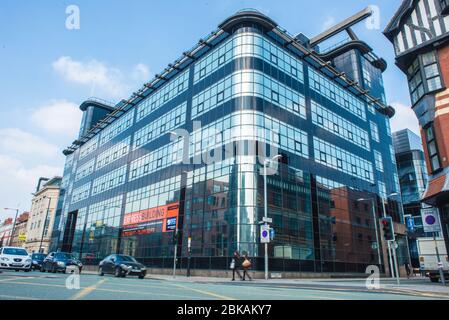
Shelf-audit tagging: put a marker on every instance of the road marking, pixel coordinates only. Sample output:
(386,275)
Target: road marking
(12,278)
(205,292)
(87,290)
(4,296)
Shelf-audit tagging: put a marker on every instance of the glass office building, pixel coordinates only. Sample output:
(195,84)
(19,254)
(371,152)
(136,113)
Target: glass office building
(187,152)
(413,180)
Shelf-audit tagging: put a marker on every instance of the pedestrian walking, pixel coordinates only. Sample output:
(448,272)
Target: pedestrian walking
(246,266)
(407,269)
(235,263)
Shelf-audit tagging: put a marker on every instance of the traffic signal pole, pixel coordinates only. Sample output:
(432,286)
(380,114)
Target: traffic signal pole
(388,242)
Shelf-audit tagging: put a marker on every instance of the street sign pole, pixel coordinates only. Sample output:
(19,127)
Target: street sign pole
(189,245)
(396,269)
(176,253)
(265,214)
(440,264)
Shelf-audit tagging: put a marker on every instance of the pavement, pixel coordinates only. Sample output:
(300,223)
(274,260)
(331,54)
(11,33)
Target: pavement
(46,286)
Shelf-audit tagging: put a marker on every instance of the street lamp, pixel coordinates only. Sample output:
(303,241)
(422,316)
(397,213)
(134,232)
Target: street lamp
(14,224)
(375,226)
(265,165)
(45,221)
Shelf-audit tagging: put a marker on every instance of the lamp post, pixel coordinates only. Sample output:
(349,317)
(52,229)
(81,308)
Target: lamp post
(392,257)
(45,221)
(265,165)
(14,224)
(375,226)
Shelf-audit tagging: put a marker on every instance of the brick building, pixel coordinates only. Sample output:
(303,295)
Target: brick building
(420,32)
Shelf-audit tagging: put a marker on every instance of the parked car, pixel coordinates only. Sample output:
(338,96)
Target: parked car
(37,260)
(15,258)
(59,262)
(121,266)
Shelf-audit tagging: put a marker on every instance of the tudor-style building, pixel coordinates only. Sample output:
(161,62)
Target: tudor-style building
(420,32)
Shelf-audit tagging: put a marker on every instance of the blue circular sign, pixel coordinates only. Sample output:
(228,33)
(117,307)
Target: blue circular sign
(430,220)
(265,233)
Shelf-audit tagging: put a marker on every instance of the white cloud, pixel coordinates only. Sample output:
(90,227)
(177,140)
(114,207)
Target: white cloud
(58,116)
(19,181)
(18,142)
(104,81)
(329,22)
(404,118)
(141,72)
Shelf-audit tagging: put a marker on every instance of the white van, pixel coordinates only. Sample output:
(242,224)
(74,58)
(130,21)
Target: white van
(428,259)
(15,258)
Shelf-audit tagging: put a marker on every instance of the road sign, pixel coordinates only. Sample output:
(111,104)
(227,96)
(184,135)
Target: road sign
(22,237)
(265,233)
(440,265)
(272,234)
(431,220)
(267,220)
(410,222)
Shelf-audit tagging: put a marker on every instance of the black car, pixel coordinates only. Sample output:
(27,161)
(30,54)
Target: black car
(59,262)
(36,260)
(121,266)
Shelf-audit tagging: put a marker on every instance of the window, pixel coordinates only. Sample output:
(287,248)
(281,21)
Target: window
(296,107)
(323,156)
(444,7)
(220,96)
(202,72)
(221,60)
(298,146)
(177,120)
(320,119)
(374,131)
(159,162)
(274,96)
(294,71)
(340,163)
(424,76)
(432,148)
(336,128)
(200,107)
(274,59)
(180,87)
(166,96)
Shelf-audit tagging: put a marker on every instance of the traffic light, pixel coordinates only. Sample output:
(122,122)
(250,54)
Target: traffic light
(387,225)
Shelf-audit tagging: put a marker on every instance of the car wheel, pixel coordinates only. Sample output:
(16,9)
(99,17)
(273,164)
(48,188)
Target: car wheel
(118,272)
(42,269)
(53,269)
(17,270)
(141,276)
(434,279)
(100,271)
(27,270)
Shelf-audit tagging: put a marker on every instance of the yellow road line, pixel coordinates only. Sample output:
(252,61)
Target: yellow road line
(205,292)
(87,290)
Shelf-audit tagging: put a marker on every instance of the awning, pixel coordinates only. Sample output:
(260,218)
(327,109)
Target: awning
(436,186)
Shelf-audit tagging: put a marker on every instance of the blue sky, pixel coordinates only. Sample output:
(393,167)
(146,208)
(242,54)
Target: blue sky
(46,70)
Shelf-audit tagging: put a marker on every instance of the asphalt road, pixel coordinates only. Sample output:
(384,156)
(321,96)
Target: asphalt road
(46,286)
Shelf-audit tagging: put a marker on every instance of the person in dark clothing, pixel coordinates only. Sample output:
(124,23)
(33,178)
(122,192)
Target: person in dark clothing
(407,269)
(246,264)
(235,264)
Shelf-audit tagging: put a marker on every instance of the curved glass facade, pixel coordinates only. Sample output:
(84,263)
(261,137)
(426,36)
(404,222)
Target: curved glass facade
(248,94)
